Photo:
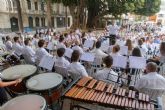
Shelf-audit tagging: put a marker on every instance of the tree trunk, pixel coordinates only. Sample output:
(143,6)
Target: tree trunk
(20,22)
(66,17)
(49,13)
(73,14)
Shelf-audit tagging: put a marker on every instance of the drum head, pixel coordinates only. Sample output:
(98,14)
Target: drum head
(25,102)
(44,81)
(18,71)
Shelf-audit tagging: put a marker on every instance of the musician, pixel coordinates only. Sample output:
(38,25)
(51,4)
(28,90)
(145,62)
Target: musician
(115,51)
(8,44)
(107,73)
(151,79)
(17,47)
(161,56)
(113,31)
(3,95)
(40,52)
(61,42)
(76,67)
(28,52)
(142,47)
(60,60)
(130,46)
(98,52)
(136,52)
(77,47)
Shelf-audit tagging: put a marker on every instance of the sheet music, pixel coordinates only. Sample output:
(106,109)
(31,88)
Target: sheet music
(104,46)
(123,50)
(50,46)
(137,62)
(47,62)
(68,52)
(89,57)
(119,61)
(89,43)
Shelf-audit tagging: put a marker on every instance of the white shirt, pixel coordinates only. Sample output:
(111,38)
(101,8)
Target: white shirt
(78,69)
(29,53)
(99,53)
(151,80)
(104,75)
(61,45)
(61,62)
(17,49)
(113,30)
(9,45)
(40,52)
(78,48)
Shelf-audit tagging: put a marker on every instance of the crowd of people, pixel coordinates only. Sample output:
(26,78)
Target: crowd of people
(141,43)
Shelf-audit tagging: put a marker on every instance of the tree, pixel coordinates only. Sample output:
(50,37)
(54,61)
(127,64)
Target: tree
(20,23)
(147,7)
(49,12)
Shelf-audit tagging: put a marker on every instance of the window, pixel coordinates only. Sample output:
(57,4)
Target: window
(43,22)
(30,22)
(37,20)
(52,21)
(29,4)
(14,5)
(60,22)
(36,5)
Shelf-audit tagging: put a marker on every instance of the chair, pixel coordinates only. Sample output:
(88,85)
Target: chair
(62,70)
(27,59)
(96,65)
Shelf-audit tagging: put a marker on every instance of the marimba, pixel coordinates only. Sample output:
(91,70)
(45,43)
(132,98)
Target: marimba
(90,90)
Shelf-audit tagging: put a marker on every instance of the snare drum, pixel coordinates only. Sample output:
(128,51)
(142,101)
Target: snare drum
(18,71)
(47,84)
(26,102)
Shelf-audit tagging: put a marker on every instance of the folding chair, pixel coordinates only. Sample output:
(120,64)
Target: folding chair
(96,65)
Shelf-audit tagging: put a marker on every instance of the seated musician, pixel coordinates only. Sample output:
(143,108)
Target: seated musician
(130,46)
(161,56)
(28,52)
(151,79)
(8,44)
(115,51)
(40,52)
(76,67)
(3,95)
(61,42)
(107,73)
(17,47)
(60,60)
(77,47)
(98,52)
(142,47)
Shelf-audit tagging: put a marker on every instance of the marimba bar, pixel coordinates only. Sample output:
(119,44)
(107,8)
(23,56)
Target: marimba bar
(94,91)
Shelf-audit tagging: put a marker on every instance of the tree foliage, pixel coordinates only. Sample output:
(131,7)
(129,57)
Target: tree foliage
(98,8)
(147,7)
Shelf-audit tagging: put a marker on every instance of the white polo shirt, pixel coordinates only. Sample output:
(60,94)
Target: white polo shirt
(151,80)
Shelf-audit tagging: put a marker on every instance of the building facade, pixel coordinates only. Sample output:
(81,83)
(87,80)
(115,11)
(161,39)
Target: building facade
(33,15)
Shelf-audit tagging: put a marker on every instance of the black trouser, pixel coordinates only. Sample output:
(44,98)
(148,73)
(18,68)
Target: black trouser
(112,39)
(3,96)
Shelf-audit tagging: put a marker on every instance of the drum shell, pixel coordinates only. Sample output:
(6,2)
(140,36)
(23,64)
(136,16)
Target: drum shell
(51,95)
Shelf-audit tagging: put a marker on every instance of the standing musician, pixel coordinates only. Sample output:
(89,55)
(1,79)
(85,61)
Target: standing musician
(113,31)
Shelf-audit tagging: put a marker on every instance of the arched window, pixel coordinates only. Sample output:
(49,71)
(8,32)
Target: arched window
(43,21)
(37,20)
(14,24)
(29,4)
(30,19)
